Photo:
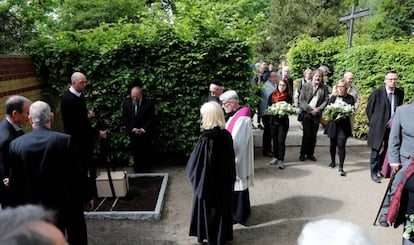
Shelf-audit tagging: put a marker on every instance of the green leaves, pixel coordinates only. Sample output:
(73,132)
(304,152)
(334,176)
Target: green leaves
(173,61)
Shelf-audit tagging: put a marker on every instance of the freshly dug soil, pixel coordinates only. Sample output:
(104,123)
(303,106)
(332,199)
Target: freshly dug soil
(141,196)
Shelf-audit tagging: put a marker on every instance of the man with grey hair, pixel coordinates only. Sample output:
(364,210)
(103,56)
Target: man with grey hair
(29,225)
(239,124)
(46,170)
(17,112)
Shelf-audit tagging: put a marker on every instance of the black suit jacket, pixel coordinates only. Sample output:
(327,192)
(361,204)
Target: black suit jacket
(45,169)
(7,134)
(378,112)
(144,117)
(77,124)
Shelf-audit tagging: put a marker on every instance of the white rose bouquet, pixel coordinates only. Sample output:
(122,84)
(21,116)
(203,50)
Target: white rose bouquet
(339,110)
(409,229)
(281,108)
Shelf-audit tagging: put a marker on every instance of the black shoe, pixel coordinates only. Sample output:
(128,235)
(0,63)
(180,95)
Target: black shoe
(375,179)
(383,220)
(342,172)
(267,153)
(302,158)
(313,158)
(332,165)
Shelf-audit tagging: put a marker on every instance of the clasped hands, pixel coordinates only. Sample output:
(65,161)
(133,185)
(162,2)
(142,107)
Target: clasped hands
(138,131)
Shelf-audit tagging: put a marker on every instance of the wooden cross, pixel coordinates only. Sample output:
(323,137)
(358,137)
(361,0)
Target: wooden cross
(351,17)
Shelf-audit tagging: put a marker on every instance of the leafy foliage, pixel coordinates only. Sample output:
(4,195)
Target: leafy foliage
(173,59)
(86,14)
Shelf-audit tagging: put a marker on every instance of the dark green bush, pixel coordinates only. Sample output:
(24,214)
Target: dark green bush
(173,67)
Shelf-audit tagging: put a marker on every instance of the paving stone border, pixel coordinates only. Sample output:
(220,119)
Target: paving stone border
(136,215)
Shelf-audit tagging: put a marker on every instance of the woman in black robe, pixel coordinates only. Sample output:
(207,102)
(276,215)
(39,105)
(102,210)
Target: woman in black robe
(211,171)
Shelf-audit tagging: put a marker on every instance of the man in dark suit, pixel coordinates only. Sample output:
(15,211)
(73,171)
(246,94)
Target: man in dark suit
(17,112)
(46,170)
(313,99)
(76,122)
(380,110)
(138,116)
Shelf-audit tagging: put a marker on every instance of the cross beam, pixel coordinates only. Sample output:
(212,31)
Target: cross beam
(351,17)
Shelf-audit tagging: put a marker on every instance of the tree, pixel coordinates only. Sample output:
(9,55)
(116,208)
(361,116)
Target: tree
(86,14)
(391,19)
(21,21)
(290,19)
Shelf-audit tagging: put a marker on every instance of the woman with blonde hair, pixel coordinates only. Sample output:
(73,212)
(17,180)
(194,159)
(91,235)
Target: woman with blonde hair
(211,171)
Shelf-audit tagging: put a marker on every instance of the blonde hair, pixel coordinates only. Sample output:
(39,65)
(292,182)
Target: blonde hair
(212,116)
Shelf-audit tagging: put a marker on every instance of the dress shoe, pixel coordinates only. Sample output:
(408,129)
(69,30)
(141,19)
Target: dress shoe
(280,164)
(302,158)
(342,172)
(313,158)
(332,165)
(383,220)
(375,179)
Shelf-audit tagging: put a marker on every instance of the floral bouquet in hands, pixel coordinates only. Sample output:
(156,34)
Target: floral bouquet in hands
(339,110)
(281,108)
(409,229)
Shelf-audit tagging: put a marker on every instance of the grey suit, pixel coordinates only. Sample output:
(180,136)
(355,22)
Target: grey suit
(311,123)
(400,146)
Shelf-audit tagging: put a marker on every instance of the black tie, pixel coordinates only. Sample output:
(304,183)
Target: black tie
(390,95)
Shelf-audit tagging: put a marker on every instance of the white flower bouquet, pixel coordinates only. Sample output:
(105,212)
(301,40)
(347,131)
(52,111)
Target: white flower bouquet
(339,110)
(281,108)
(409,229)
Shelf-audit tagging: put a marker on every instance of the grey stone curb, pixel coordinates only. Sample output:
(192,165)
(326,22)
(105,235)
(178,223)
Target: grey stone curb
(135,215)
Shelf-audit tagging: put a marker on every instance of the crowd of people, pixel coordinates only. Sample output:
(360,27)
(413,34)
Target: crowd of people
(221,166)
(315,93)
(28,162)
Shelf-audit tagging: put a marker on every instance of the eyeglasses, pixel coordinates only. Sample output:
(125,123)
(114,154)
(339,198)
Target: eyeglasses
(225,102)
(283,85)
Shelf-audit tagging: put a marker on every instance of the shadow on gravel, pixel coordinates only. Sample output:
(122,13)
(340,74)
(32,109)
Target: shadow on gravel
(293,208)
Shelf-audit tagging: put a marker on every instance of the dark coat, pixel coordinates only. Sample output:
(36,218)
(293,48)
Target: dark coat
(46,170)
(77,124)
(378,111)
(211,171)
(143,119)
(7,134)
(343,124)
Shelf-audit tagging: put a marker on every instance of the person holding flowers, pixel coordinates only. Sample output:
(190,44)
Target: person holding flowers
(340,108)
(280,107)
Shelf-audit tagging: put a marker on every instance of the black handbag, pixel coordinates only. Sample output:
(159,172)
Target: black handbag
(301,114)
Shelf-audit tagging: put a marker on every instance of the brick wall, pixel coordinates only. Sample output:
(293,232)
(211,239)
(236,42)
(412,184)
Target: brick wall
(17,76)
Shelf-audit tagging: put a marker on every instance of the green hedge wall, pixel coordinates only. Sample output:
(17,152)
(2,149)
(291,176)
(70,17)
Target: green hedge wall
(368,60)
(173,69)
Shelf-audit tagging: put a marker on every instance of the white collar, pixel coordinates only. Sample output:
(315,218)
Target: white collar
(73,91)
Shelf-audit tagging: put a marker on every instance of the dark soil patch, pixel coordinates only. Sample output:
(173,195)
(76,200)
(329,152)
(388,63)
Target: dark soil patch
(141,196)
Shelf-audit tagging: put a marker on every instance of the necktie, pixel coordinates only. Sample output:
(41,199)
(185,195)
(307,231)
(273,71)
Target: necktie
(390,100)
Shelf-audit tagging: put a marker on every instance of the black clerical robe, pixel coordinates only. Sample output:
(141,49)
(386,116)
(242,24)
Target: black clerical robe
(211,171)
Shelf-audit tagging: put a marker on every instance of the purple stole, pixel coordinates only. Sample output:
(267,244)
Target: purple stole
(244,111)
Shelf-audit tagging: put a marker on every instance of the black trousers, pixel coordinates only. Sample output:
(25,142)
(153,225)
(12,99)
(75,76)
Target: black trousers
(141,148)
(267,138)
(279,130)
(377,155)
(71,220)
(338,142)
(310,130)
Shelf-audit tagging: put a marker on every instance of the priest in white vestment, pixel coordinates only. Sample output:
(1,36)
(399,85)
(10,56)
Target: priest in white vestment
(239,124)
